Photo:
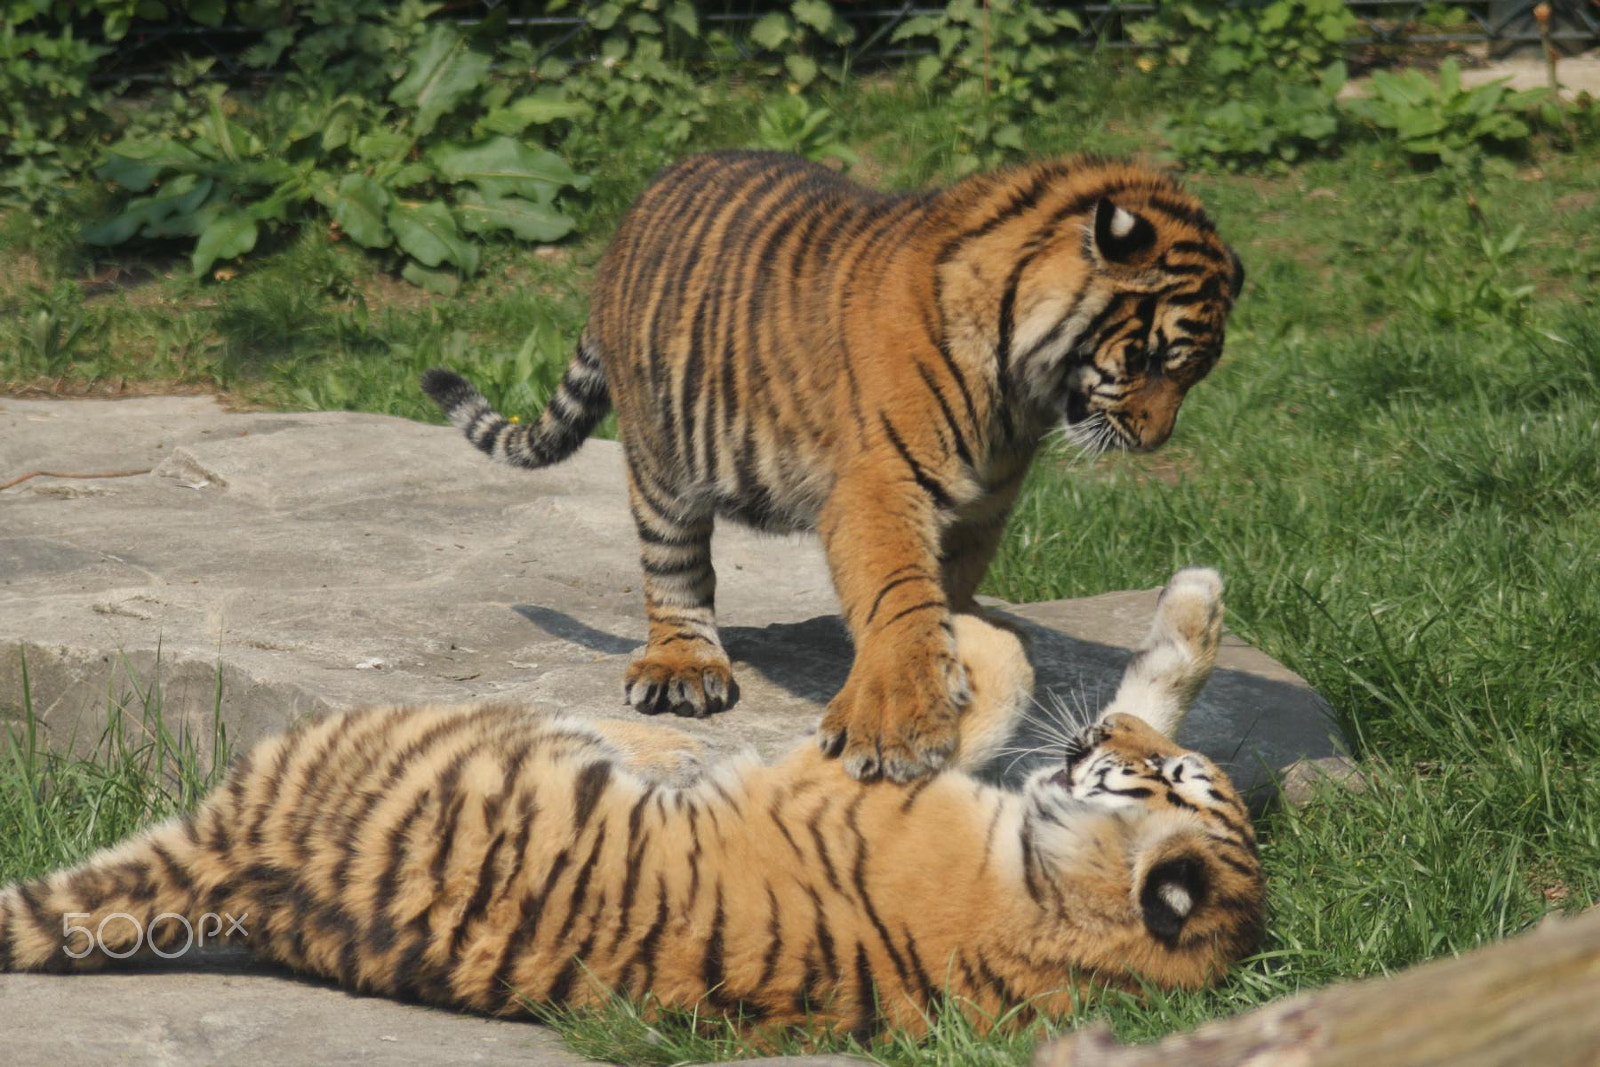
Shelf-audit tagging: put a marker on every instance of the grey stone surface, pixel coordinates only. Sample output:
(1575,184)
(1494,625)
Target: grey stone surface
(226,1009)
(1303,779)
(334,559)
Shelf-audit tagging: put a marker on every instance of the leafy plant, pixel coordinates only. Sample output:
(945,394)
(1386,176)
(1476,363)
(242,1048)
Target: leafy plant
(791,124)
(798,34)
(635,93)
(51,333)
(1444,123)
(1472,294)
(1225,44)
(1000,64)
(1275,125)
(46,103)
(421,171)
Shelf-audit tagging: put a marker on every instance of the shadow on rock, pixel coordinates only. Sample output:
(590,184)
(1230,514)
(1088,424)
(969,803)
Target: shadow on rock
(809,659)
(559,624)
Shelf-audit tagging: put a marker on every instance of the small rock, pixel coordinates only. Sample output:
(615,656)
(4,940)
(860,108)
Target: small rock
(1303,777)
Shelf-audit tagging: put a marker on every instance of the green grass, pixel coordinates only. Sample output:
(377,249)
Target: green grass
(60,802)
(1396,465)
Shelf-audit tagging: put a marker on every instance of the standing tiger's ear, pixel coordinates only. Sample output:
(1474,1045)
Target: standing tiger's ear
(1119,234)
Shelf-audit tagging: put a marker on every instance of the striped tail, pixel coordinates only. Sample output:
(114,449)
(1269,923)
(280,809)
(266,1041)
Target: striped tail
(576,407)
(146,894)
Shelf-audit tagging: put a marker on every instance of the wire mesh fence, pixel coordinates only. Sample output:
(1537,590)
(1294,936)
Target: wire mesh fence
(1390,25)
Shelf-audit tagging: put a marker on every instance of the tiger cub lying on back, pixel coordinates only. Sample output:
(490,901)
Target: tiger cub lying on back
(478,857)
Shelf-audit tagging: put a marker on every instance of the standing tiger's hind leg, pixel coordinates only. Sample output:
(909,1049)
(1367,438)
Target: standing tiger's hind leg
(683,668)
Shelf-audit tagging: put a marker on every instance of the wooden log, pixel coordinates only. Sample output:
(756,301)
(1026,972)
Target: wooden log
(1533,999)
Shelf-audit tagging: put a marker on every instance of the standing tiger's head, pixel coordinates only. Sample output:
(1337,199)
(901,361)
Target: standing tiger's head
(1167,284)
(1114,292)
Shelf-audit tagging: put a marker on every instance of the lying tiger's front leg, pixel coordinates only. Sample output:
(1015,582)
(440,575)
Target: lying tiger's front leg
(896,714)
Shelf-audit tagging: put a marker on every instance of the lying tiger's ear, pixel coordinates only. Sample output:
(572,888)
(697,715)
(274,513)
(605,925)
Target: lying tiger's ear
(1119,234)
(1236,279)
(1173,889)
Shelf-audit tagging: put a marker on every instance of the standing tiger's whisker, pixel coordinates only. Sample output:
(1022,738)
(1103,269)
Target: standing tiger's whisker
(1086,438)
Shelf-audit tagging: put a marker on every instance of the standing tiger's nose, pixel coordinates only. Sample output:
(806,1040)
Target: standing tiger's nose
(1153,412)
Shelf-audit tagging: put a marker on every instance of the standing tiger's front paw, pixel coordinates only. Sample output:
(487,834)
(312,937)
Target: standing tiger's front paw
(684,682)
(896,715)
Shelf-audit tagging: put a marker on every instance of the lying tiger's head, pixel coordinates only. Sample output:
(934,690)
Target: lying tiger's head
(1173,842)
(1113,291)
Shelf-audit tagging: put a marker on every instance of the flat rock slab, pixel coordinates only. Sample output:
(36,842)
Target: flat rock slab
(309,561)
(227,1009)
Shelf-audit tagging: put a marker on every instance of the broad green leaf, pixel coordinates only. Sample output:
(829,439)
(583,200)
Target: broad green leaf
(405,175)
(226,139)
(535,110)
(528,220)
(149,215)
(1450,77)
(380,145)
(771,31)
(639,22)
(442,71)
(428,233)
(230,233)
(135,165)
(604,16)
(927,69)
(186,194)
(682,15)
(803,69)
(916,26)
(442,282)
(358,204)
(207,12)
(818,14)
(502,166)
(336,132)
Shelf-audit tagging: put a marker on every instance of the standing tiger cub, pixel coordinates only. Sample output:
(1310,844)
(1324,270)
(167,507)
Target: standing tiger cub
(486,857)
(791,350)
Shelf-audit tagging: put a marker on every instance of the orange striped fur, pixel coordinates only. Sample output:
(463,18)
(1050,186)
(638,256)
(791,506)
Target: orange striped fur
(485,857)
(790,350)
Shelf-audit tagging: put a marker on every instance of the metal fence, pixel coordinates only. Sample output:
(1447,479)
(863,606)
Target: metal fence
(1388,26)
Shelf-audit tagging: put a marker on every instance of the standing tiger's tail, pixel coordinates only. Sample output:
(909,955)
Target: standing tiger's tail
(575,408)
(149,894)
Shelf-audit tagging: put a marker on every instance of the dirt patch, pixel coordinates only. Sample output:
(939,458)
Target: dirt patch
(130,283)
(1572,203)
(382,290)
(115,388)
(21,271)
(1168,468)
